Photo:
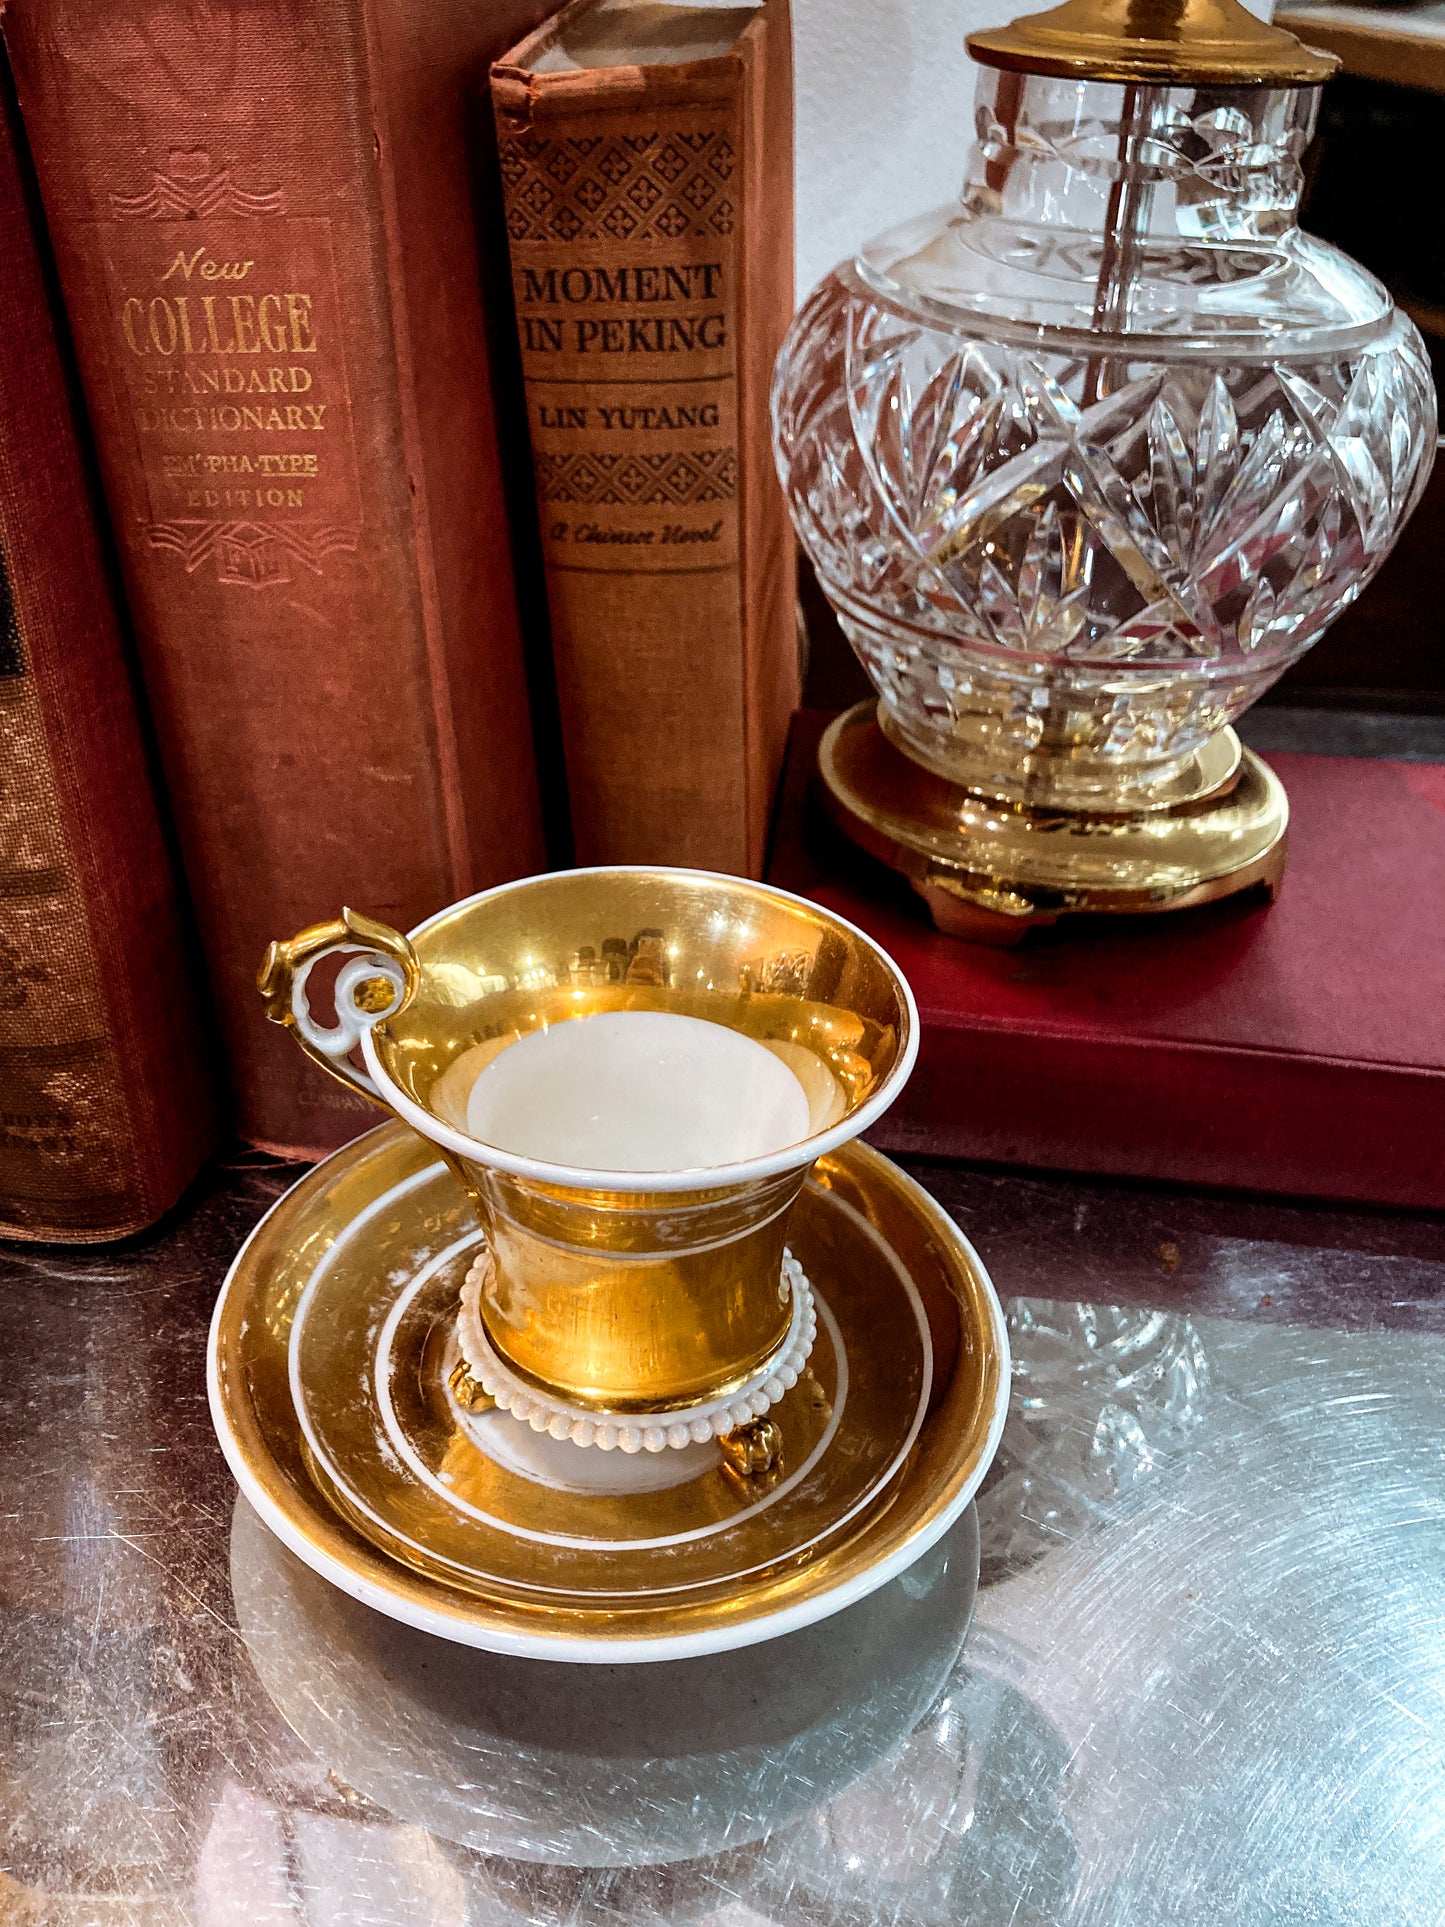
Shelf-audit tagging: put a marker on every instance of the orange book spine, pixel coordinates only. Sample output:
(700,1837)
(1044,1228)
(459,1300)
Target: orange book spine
(649,215)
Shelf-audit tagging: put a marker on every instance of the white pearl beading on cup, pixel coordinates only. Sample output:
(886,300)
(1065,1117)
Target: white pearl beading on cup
(638,1431)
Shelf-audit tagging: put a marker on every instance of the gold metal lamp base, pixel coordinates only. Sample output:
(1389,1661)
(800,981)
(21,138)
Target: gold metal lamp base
(992,871)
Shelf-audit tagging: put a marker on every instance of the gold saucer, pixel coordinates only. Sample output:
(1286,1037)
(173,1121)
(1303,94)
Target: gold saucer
(990,871)
(330,1352)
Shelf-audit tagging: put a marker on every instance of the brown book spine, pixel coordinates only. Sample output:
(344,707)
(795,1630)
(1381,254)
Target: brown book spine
(649,210)
(263,225)
(107,1105)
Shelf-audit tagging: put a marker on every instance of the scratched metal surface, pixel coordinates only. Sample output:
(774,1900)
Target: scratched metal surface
(1204,1679)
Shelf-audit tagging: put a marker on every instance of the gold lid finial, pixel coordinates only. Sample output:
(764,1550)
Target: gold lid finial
(1161,43)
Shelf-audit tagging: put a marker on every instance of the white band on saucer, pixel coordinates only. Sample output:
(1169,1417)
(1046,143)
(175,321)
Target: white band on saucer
(638,1431)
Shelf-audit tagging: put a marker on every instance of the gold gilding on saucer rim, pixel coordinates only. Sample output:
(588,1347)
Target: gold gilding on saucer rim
(858,1204)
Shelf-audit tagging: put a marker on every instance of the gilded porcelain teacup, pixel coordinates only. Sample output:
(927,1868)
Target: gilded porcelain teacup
(638,1307)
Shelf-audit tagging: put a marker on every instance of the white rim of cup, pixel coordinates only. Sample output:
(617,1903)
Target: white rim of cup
(698,1177)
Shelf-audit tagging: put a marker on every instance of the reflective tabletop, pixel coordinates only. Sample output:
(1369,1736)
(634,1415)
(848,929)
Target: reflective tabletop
(1184,1662)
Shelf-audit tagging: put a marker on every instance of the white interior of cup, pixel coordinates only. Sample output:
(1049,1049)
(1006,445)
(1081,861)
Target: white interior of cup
(829,1123)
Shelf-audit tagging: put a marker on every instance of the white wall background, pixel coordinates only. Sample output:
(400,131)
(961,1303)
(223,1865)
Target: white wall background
(885,113)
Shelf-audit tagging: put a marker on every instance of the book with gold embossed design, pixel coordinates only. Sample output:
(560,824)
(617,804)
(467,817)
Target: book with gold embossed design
(646,155)
(266,224)
(107,1100)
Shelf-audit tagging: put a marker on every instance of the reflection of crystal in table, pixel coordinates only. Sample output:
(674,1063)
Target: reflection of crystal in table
(1219,1698)
(964,1824)
(1217,1694)
(1102,1396)
(1226,1686)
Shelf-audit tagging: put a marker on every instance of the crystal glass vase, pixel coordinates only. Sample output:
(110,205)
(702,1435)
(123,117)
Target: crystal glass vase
(1087,459)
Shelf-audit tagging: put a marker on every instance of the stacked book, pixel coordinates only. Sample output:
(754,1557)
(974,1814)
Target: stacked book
(385,512)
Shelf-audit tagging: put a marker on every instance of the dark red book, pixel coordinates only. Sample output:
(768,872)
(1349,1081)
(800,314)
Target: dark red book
(1296,1049)
(107,1103)
(267,242)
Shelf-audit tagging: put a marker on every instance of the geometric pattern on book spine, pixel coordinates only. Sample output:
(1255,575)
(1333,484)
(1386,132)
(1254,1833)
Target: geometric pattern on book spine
(678,478)
(628,187)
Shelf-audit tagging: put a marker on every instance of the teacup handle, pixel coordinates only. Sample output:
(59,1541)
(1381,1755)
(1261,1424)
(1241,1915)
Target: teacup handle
(379,982)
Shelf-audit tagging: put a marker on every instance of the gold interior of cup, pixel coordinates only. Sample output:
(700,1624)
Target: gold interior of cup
(578,943)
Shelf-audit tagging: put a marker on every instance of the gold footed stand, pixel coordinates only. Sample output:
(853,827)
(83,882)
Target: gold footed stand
(992,871)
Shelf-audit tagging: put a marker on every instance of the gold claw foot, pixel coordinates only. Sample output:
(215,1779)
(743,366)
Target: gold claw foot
(467,1391)
(753,1452)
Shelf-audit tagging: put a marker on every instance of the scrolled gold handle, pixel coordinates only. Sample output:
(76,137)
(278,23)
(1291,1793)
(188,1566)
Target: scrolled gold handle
(379,982)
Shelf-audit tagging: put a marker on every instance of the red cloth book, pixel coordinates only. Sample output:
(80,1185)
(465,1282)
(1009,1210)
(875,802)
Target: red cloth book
(268,245)
(108,1104)
(1297,1049)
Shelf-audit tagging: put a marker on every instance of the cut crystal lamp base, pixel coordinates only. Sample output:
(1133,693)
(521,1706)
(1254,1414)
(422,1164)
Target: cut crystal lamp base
(991,871)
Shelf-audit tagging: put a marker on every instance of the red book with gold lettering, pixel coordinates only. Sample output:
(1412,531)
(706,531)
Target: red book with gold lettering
(1298,1048)
(265,219)
(107,1095)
